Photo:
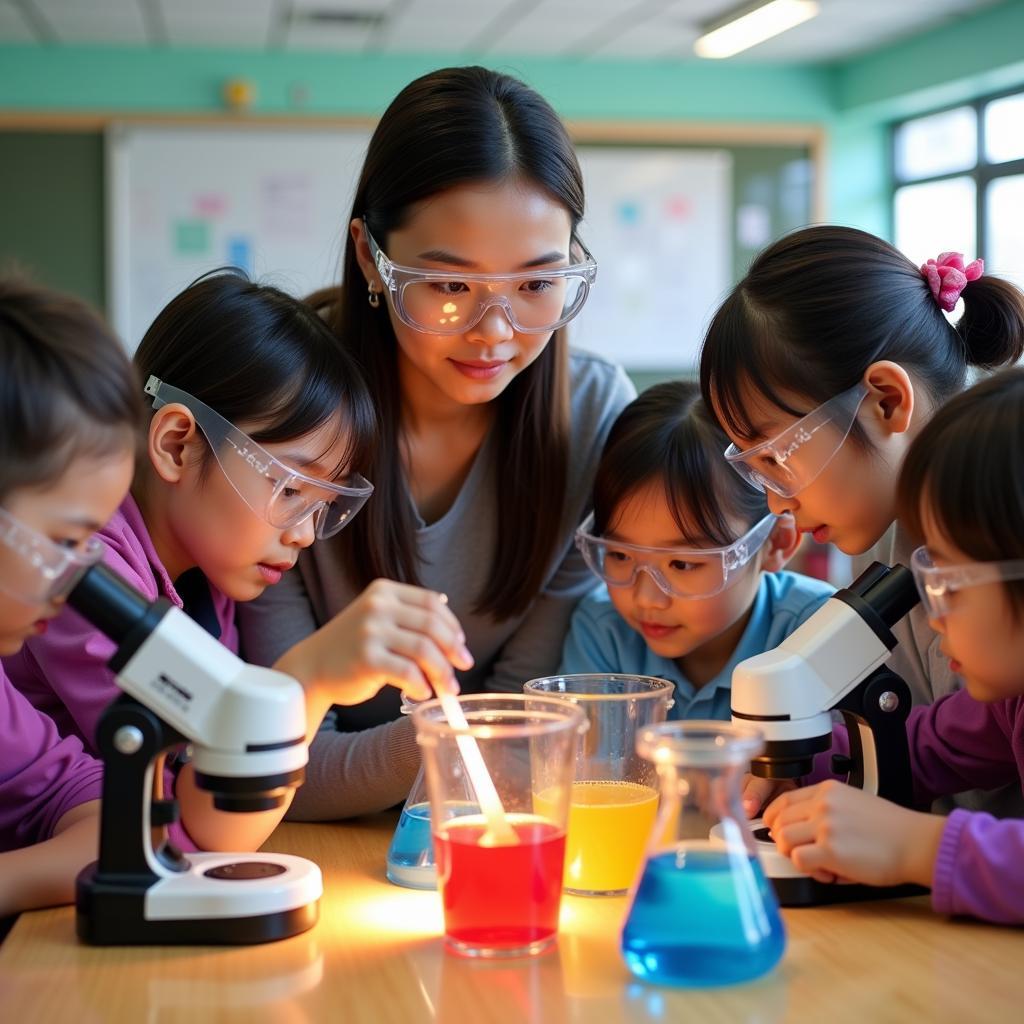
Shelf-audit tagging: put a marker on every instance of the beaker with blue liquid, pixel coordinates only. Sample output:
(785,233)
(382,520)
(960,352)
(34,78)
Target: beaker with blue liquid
(702,913)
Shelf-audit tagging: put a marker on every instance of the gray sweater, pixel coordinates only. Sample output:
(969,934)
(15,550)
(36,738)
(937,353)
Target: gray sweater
(365,758)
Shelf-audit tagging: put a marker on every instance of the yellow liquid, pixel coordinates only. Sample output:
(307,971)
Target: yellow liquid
(609,823)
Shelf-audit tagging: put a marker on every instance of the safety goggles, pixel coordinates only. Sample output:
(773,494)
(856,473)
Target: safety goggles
(451,302)
(795,458)
(36,570)
(281,495)
(678,572)
(937,584)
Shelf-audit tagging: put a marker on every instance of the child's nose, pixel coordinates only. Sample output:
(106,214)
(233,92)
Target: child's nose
(647,593)
(778,504)
(301,535)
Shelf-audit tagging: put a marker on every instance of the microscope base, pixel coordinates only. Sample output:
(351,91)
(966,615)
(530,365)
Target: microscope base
(806,892)
(223,899)
(794,889)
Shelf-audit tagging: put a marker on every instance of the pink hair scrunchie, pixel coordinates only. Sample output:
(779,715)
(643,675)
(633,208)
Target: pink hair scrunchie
(947,277)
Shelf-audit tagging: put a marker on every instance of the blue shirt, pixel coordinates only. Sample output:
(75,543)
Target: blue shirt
(600,640)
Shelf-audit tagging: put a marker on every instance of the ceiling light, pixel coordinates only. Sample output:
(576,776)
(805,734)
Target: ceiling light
(752,24)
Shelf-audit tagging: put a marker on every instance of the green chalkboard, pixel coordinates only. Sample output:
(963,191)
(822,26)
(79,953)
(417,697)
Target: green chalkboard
(52,209)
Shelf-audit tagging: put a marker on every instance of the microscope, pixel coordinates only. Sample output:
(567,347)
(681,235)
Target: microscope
(247,730)
(833,662)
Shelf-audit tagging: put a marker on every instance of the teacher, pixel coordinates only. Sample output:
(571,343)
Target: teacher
(462,268)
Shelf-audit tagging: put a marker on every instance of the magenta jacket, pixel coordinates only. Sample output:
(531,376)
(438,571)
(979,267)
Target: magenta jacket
(42,775)
(960,743)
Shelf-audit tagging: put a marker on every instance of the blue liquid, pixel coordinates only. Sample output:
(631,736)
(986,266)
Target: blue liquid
(410,859)
(702,917)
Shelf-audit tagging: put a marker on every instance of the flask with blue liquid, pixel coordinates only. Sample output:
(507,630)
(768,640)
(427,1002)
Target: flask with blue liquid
(702,913)
(410,860)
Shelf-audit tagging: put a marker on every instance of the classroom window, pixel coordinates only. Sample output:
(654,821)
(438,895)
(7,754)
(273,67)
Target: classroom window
(958,184)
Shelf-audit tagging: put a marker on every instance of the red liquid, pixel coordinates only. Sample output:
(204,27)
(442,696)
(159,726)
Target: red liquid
(501,897)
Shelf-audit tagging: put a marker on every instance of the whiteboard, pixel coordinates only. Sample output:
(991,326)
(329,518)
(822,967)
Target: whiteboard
(184,200)
(659,222)
(276,201)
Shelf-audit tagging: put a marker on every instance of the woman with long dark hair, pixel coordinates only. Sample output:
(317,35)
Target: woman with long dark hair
(462,267)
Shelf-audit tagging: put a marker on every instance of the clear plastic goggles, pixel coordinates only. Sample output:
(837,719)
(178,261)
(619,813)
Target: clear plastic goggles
(447,302)
(281,495)
(795,458)
(678,572)
(34,569)
(937,584)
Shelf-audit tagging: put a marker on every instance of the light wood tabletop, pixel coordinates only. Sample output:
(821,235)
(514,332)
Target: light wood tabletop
(376,956)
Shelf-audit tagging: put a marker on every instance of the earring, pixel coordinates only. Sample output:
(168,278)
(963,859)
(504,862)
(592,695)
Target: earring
(373,297)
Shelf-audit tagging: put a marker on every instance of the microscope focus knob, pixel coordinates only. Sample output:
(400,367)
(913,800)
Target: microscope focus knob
(128,740)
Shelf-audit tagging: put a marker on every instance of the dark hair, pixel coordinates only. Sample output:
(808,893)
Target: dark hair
(967,466)
(452,127)
(66,387)
(259,357)
(819,306)
(667,434)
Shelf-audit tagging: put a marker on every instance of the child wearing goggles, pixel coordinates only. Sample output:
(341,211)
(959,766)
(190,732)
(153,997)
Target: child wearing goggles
(961,491)
(68,406)
(824,364)
(258,420)
(690,557)
(463,273)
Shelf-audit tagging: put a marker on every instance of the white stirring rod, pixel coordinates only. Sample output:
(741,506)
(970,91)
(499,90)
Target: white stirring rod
(499,832)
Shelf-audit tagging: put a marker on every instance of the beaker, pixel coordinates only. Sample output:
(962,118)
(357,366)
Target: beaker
(703,912)
(500,871)
(615,793)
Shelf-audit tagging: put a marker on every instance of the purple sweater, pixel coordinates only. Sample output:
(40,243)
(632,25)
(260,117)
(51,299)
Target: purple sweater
(64,672)
(959,743)
(42,775)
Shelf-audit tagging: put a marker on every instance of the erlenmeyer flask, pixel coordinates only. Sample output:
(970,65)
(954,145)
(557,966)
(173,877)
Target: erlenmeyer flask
(703,912)
(410,860)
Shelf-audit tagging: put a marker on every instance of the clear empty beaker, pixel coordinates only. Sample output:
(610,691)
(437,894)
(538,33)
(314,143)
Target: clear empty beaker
(703,912)
(615,793)
(499,871)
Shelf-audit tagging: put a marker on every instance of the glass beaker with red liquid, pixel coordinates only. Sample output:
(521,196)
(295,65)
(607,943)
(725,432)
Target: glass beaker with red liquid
(500,887)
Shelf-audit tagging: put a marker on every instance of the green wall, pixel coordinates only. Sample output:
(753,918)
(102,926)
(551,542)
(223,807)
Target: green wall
(855,101)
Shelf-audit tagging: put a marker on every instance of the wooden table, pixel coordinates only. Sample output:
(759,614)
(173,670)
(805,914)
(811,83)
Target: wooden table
(376,957)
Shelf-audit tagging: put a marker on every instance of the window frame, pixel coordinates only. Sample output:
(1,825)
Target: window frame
(983,172)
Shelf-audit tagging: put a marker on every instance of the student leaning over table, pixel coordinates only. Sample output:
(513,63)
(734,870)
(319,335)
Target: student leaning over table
(823,364)
(257,425)
(961,491)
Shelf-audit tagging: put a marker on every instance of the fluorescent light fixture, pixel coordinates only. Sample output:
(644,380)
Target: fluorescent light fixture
(753,24)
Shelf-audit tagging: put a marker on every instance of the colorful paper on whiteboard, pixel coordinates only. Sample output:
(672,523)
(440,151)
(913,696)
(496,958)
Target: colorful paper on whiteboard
(240,254)
(191,237)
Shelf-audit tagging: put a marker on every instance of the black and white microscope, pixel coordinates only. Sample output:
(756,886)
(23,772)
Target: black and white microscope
(835,661)
(247,730)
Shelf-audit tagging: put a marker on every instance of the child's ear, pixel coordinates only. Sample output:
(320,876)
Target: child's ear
(781,544)
(890,396)
(171,431)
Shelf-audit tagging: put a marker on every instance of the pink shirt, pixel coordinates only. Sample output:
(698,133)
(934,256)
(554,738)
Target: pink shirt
(42,775)
(64,672)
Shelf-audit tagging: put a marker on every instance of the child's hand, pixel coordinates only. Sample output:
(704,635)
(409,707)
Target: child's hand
(757,792)
(833,831)
(393,634)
